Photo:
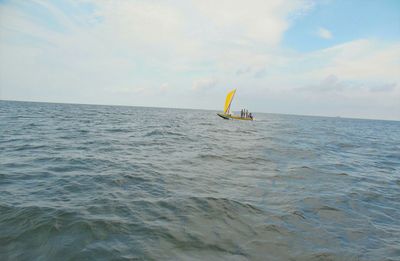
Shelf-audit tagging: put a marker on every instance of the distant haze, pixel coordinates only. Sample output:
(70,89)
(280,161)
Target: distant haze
(333,58)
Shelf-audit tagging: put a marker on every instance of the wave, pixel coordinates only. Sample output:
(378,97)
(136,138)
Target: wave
(104,182)
(163,133)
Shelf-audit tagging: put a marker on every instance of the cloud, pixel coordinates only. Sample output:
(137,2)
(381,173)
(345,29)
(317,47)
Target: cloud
(360,59)
(332,83)
(128,52)
(204,84)
(126,43)
(255,70)
(389,87)
(164,87)
(324,33)
(243,22)
(329,84)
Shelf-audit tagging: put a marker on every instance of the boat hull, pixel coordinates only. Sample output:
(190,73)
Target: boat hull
(228,116)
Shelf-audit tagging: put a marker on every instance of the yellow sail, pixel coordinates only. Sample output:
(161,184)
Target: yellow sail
(228,100)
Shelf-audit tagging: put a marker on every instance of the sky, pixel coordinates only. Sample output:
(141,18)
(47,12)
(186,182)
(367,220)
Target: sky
(326,57)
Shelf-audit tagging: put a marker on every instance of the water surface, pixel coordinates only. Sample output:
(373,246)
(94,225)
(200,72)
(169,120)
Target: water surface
(89,182)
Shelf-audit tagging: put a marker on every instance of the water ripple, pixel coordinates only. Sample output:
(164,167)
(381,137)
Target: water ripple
(108,182)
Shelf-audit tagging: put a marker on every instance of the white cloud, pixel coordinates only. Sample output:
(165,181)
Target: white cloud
(128,52)
(324,33)
(164,87)
(358,79)
(333,84)
(361,59)
(389,87)
(128,43)
(204,84)
(247,22)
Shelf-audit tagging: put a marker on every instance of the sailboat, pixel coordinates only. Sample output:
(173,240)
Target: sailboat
(227,114)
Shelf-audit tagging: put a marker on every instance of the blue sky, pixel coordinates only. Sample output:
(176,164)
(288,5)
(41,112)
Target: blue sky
(334,58)
(346,20)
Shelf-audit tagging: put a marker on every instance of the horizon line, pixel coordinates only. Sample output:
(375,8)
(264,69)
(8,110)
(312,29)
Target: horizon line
(180,108)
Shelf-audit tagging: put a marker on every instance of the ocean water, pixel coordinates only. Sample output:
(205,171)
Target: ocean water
(86,182)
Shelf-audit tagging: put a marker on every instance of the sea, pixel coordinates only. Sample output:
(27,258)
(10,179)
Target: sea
(91,182)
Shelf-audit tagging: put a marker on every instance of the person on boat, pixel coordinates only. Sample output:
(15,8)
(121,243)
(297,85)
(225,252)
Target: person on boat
(250,116)
(247,113)
(241,113)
